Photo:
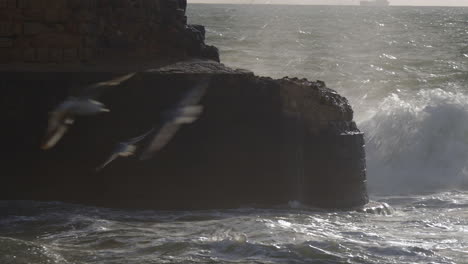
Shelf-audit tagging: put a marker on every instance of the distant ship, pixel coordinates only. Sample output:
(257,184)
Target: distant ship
(375,3)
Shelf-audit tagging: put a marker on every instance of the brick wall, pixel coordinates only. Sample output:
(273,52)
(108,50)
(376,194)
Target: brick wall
(75,31)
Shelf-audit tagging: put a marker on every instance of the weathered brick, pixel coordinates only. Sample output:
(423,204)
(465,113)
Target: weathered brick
(56,15)
(70,54)
(89,42)
(33,15)
(6,29)
(6,42)
(18,29)
(82,4)
(6,55)
(55,4)
(59,28)
(86,54)
(56,55)
(38,4)
(88,28)
(29,55)
(17,54)
(22,42)
(34,28)
(83,15)
(42,54)
(56,40)
(10,14)
(26,3)
(72,27)
(62,30)
(7,3)
(72,41)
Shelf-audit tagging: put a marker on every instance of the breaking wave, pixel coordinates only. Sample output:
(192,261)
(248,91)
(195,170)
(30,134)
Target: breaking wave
(418,143)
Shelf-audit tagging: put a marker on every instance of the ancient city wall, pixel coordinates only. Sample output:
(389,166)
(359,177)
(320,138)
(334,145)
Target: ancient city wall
(76,31)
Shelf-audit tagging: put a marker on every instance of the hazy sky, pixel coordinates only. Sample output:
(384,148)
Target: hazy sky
(337,2)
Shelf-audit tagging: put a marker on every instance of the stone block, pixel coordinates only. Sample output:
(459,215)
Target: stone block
(10,14)
(6,42)
(6,55)
(18,28)
(57,40)
(82,4)
(71,41)
(34,28)
(31,4)
(6,29)
(54,4)
(7,3)
(29,55)
(25,3)
(72,27)
(33,14)
(88,29)
(86,54)
(70,54)
(89,42)
(22,42)
(42,55)
(56,15)
(112,3)
(83,15)
(60,28)
(10,29)
(17,54)
(55,55)
(74,4)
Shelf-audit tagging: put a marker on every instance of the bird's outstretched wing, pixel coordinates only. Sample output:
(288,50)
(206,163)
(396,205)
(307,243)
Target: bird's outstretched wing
(96,89)
(187,114)
(63,115)
(164,135)
(56,129)
(109,160)
(125,149)
(139,138)
(185,111)
(194,95)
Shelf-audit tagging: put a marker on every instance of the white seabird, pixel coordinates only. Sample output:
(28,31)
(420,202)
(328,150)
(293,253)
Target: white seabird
(185,112)
(64,114)
(125,149)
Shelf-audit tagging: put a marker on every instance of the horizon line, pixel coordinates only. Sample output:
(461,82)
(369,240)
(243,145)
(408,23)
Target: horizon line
(277,4)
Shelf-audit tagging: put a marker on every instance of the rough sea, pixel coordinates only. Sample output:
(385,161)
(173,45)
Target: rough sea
(405,72)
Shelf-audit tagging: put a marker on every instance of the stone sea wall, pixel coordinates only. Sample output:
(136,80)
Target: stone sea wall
(76,31)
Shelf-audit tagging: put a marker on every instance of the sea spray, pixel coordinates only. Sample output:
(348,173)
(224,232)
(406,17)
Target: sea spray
(418,143)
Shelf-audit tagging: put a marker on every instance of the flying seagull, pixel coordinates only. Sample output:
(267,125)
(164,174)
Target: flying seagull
(63,116)
(125,149)
(186,111)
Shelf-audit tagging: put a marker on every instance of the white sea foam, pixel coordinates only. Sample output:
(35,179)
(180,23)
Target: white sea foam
(418,143)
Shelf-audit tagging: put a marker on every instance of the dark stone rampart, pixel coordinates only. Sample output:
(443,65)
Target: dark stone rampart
(98,31)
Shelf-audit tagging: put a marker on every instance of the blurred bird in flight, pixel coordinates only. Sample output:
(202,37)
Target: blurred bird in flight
(63,116)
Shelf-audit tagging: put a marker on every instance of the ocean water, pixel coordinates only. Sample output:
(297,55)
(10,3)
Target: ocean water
(405,72)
